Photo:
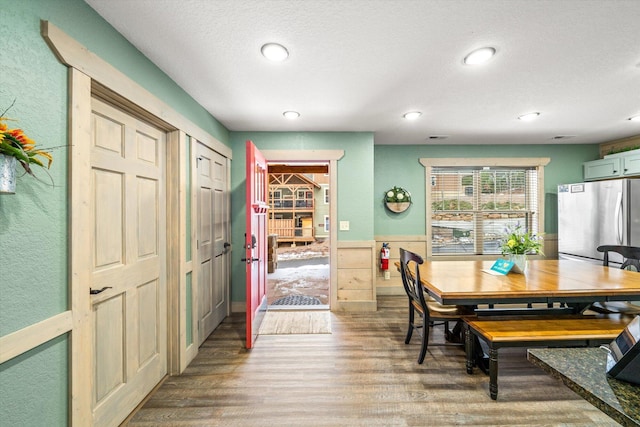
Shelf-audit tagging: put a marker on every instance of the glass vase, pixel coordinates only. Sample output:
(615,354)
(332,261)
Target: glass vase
(521,261)
(7,174)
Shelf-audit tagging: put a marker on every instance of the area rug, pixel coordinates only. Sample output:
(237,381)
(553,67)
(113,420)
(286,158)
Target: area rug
(296,322)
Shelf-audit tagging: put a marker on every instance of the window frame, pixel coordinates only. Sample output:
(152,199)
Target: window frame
(525,162)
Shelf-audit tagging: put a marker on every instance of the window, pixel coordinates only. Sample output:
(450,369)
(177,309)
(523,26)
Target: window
(470,202)
(304,199)
(326,194)
(326,223)
(276,198)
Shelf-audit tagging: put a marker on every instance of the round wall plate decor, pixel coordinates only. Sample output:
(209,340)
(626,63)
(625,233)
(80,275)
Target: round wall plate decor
(397,199)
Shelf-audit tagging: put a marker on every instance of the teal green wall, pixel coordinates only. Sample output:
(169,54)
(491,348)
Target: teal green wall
(34,387)
(355,183)
(367,171)
(399,166)
(34,232)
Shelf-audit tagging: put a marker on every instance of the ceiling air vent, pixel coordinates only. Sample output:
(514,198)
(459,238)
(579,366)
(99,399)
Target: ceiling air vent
(563,136)
(437,137)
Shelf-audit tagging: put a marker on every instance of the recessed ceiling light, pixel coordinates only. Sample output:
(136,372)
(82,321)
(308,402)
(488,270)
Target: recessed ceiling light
(635,118)
(479,56)
(274,52)
(291,115)
(529,117)
(412,115)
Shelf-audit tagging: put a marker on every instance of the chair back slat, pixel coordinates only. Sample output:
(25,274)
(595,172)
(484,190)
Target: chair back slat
(631,254)
(411,279)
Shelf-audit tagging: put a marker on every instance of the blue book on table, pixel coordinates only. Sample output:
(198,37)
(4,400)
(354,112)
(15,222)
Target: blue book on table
(500,267)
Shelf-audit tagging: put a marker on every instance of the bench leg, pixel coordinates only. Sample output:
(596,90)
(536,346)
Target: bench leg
(493,373)
(468,348)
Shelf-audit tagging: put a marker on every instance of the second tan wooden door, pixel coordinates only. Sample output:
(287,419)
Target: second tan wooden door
(213,228)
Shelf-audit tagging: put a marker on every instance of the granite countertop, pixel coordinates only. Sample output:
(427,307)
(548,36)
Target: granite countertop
(583,370)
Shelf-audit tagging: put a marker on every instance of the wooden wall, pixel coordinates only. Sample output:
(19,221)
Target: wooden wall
(393,286)
(355,276)
(607,147)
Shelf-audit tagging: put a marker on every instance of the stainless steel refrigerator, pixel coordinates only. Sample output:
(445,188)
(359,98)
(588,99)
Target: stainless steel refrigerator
(597,213)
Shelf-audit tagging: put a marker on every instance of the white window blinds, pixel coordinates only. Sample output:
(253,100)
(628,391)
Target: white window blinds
(472,206)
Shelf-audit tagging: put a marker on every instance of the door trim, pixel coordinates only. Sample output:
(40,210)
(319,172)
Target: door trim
(90,74)
(73,54)
(332,157)
(79,184)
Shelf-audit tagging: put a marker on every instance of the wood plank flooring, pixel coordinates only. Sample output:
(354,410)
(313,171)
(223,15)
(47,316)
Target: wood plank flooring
(360,375)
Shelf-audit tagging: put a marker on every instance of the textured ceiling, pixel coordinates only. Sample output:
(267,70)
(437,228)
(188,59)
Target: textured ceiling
(358,65)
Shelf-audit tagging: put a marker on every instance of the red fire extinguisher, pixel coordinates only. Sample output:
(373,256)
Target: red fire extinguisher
(384,257)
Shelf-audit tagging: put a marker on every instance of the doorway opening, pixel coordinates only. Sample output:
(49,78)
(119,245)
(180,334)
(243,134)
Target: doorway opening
(298,269)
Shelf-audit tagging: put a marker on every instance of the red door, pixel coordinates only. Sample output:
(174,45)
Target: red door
(255,244)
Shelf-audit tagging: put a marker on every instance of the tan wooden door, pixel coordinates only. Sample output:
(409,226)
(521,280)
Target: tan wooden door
(213,228)
(127,254)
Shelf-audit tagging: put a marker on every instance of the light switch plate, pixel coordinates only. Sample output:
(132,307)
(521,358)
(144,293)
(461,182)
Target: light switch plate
(344,225)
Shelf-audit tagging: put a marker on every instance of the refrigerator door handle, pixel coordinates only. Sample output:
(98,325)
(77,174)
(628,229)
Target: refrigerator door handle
(618,219)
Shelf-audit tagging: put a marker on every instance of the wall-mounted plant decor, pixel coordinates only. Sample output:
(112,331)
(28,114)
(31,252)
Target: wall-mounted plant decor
(16,147)
(397,199)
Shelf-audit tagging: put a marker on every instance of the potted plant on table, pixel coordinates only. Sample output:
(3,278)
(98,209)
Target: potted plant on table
(517,243)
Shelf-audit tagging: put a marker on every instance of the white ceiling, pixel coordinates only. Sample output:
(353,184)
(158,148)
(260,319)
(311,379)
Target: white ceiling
(358,65)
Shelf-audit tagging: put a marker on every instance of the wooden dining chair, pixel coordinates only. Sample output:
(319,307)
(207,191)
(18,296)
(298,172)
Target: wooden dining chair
(631,255)
(429,311)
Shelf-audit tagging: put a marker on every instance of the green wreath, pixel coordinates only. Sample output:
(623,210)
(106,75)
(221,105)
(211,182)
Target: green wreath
(397,195)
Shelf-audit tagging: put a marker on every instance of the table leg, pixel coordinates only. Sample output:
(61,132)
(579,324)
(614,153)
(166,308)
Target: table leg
(578,307)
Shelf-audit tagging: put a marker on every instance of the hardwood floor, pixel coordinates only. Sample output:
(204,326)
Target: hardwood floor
(360,375)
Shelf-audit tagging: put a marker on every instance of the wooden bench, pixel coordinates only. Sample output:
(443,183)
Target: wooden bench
(537,331)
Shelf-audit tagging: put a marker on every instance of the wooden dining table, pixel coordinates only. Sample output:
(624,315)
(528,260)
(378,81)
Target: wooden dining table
(549,287)
(574,283)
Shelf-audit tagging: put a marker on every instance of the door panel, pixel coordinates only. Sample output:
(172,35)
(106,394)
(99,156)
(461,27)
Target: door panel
(205,279)
(255,241)
(213,226)
(110,346)
(148,299)
(147,218)
(128,240)
(109,214)
(220,237)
